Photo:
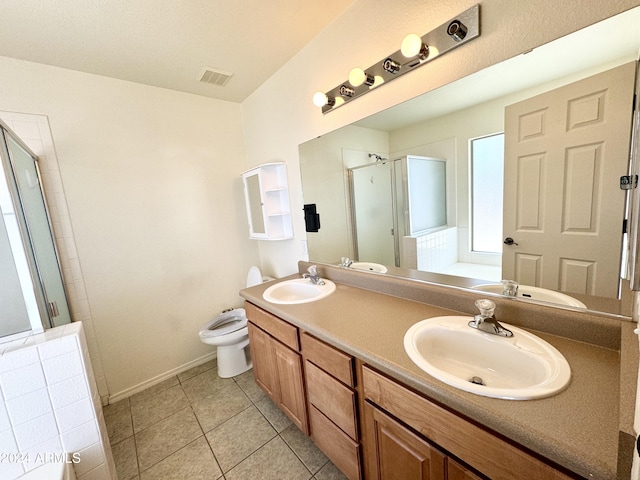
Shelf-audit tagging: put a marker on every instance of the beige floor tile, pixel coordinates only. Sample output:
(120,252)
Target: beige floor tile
(193,462)
(195,371)
(149,410)
(166,437)
(216,409)
(330,472)
(117,417)
(276,418)
(249,386)
(125,458)
(239,437)
(304,448)
(274,461)
(204,385)
(155,389)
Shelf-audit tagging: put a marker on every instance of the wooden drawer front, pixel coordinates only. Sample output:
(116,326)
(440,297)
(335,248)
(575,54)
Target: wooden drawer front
(337,363)
(338,447)
(332,398)
(477,447)
(283,331)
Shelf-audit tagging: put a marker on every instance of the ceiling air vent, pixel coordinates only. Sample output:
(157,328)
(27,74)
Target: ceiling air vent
(214,76)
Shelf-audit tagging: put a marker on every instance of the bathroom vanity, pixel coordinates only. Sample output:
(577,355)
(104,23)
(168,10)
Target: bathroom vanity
(338,370)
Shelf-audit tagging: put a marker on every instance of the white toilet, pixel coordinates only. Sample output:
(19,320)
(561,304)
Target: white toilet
(228,331)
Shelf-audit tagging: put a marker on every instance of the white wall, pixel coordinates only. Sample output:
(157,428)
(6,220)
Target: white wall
(280,114)
(152,180)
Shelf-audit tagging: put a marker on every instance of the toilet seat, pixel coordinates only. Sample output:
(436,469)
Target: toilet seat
(225,323)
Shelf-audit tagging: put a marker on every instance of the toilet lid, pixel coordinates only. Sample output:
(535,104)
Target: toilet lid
(225,323)
(254,277)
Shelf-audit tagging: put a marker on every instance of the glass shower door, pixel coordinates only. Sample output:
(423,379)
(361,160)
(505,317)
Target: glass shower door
(37,237)
(372,213)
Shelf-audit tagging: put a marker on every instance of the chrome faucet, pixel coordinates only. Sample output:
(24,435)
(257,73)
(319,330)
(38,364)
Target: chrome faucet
(486,321)
(510,288)
(345,262)
(313,275)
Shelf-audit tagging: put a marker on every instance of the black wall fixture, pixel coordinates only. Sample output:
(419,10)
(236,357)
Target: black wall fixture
(311,218)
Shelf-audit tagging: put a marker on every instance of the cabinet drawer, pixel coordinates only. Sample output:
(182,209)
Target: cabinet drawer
(477,447)
(332,398)
(283,331)
(337,363)
(338,447)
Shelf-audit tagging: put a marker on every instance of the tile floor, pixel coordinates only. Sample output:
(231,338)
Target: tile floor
(199,426)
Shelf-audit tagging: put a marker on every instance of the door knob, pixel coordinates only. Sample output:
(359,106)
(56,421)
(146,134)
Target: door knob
(509,241)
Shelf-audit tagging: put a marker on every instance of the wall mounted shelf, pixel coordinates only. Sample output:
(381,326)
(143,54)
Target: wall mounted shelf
(266,193)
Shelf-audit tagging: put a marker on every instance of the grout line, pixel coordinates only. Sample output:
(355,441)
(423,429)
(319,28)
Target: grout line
(253,404)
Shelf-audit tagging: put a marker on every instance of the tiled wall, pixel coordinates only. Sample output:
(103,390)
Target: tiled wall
(432,251)
(35,132)
(50,404)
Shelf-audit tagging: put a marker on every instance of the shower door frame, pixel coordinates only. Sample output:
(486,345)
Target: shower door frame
(45,308)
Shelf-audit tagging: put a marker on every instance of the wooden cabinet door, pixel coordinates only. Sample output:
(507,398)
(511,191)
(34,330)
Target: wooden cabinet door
(264,365)
(292,399)
(456,471)
(401,454)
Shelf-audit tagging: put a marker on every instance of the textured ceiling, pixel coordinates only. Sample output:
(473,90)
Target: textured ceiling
(166,43)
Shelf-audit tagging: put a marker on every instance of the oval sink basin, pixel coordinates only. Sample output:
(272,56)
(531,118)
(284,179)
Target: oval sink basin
(298,290)
(369,267)
(535,293)
(522,367)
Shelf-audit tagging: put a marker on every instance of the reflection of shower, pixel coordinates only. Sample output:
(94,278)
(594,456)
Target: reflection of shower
(391,199)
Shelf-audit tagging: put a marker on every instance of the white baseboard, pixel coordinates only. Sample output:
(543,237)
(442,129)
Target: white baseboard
(159,378)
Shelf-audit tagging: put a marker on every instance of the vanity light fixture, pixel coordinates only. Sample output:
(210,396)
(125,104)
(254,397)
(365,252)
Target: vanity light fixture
(418,50)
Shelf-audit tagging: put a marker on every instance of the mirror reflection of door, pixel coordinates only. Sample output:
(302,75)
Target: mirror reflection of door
(565,151)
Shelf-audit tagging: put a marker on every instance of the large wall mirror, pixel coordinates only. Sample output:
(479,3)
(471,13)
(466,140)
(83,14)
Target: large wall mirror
(533,151)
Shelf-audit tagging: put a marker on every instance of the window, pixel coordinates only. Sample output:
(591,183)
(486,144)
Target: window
(487,178)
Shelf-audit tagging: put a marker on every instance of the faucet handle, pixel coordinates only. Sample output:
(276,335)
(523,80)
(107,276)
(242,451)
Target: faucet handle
(486,307)
(313,270)
(510,287)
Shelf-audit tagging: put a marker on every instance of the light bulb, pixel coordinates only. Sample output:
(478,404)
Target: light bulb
(356,77)
(411,45)
(320,99)
(378,80)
